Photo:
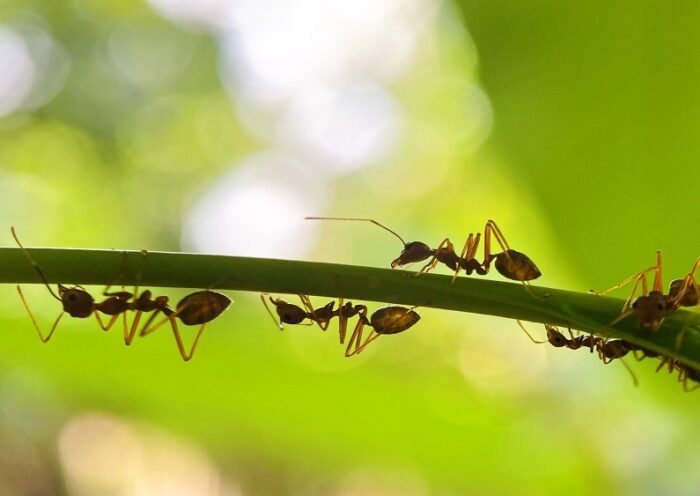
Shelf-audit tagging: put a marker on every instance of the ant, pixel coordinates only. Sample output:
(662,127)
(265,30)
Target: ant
(289,313)
(509,263)
(198,308)
(76,301)
(385,321)
(608,350)
(652,307)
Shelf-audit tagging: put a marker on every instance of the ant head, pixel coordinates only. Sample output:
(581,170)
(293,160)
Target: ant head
(287,312)
(76,302)
(415,251)
(392,320)
(651,310)
(516,266)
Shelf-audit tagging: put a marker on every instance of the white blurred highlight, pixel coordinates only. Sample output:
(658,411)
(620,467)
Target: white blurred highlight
(258,210)
(346,128)
(18,71)
(103,455)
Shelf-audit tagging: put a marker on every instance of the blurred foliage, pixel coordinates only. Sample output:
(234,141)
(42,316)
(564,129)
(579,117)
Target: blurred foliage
(589,167)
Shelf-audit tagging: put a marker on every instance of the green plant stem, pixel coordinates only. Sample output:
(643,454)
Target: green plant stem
(581,311)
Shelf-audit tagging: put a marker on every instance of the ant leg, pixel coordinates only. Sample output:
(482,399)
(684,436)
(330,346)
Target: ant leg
(492,228)
(278,324)
(434,260)
(356,336)
(658,281)
(621,317)
(146,329)
(688,281)
(36,326)
(468,245)
(372,336)
(528,334)
(129,336)
(111,322)
(632,374)
(342,321)
(622,283)
(185,356)
(306,301)
(666,361)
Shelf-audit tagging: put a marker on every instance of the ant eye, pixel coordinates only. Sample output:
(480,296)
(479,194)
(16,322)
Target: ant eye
(660,306)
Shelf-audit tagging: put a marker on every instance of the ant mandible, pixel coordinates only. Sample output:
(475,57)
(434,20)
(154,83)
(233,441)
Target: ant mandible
(509,263)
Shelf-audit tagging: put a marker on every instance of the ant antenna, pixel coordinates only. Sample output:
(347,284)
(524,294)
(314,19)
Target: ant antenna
(520,323)
(364,220)
(279,326)
(34,264)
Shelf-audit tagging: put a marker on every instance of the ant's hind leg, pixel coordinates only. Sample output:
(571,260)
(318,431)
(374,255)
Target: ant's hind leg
(186,356)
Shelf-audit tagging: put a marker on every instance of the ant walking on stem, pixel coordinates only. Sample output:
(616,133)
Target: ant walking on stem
(652,307)
(608,350)
(509,263)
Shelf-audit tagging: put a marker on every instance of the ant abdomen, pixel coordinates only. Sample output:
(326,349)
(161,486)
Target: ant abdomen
(689,299)
(393,320)
(517,266)
(202,307)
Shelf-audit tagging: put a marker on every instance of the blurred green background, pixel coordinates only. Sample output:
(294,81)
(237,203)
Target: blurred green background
(216,126)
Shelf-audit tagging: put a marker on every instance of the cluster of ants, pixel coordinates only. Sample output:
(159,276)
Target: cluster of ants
(201,307)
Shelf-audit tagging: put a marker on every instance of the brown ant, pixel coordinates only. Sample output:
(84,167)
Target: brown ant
(608,350)
(76,301)
(509,263)
(198,308)
(652,307)
(289,313)
(387,320)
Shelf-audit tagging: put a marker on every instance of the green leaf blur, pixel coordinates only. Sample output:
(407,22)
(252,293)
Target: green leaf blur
(571,124)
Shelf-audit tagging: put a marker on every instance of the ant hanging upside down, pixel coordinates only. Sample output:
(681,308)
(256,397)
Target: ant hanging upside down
(387,320)
(509,263)
(197,308)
